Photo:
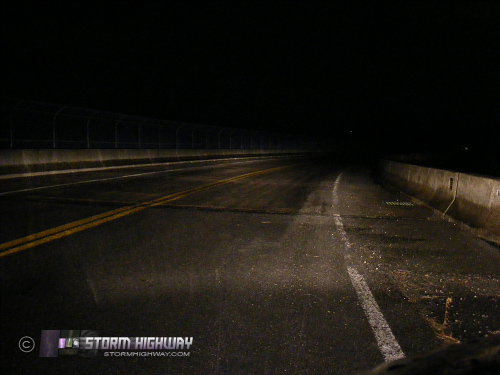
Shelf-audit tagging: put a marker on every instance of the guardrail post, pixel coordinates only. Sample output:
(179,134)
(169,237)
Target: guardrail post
(116,134)
(88,127)
(177,143)
(251,141)
(139,134)
(192,138)
(11,126)
(218,139)
(116,130)
(54,127)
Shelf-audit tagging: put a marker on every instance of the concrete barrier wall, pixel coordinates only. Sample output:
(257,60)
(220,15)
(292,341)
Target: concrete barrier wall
(40,160)
(475,200)
(478,203)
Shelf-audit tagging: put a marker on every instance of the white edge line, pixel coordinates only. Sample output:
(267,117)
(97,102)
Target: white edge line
(96,169)
(386,341)
(126,176)
(335,188)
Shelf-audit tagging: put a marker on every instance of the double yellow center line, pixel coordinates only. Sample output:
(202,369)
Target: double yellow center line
(39,238)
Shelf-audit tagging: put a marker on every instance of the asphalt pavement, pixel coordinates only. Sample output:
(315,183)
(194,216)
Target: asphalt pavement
(294,265)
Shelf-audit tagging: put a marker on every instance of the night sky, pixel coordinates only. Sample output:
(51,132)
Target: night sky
(422,74)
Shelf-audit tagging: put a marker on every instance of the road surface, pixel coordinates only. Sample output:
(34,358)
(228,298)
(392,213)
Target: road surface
(273,266)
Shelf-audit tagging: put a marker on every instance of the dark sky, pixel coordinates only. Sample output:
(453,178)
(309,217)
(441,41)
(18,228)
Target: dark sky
(418,71)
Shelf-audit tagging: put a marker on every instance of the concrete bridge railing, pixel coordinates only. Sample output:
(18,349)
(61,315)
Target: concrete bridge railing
(472,199)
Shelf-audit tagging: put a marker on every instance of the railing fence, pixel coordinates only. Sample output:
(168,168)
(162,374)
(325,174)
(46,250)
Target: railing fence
(29,124)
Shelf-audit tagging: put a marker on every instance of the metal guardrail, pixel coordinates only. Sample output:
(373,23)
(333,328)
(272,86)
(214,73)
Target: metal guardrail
(30,124)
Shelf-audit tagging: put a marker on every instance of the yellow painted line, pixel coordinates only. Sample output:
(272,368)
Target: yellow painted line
(69,231)
(160,201)
(93,221)
(61,228)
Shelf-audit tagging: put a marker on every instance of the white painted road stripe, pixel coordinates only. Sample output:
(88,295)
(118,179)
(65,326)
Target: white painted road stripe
(335,188)
(386,341)
(81,182)
(131,175)
(97,169)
